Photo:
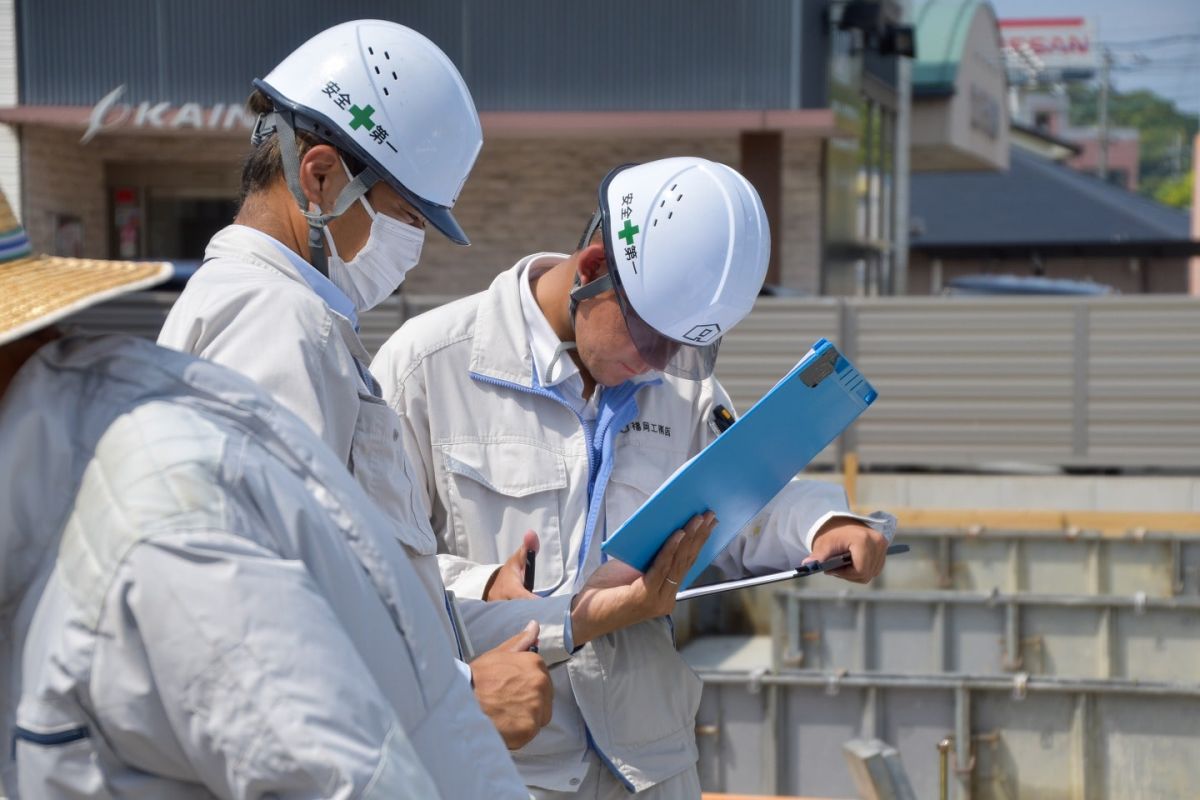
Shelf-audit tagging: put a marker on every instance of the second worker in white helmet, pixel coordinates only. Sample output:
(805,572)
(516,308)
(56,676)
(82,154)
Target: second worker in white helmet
(558,400)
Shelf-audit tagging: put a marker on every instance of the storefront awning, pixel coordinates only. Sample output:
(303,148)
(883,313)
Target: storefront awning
(190,119)
(960,111)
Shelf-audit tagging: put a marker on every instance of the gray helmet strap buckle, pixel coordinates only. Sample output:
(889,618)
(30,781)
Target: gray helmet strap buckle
(580,292)
(289,154)
(604,283)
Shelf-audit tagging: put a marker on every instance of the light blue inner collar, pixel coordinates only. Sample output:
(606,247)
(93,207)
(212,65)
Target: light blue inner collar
(334,297)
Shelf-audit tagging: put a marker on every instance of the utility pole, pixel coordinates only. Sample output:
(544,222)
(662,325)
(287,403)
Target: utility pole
(902,166)
(1102,161)
(1194,263)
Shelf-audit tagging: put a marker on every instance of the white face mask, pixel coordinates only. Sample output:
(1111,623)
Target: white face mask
(392,249)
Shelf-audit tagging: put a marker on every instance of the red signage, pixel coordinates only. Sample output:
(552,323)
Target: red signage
(1053,43)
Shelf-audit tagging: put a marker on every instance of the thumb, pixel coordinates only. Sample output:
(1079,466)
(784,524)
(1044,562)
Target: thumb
(517,559)
(524,640)
(531,542)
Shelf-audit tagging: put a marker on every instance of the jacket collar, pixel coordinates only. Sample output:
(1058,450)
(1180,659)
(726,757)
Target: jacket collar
(500,346)
(244,244)
(243,241)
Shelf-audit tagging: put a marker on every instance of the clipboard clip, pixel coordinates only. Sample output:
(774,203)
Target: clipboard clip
(821,368)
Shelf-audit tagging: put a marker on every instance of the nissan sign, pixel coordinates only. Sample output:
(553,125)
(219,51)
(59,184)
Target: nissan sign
(1054,45)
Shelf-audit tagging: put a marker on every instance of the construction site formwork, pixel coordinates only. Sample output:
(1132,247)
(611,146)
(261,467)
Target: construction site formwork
(765,729)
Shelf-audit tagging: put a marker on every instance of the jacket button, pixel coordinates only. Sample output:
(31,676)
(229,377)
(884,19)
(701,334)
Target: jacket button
(395,435)
(574,781)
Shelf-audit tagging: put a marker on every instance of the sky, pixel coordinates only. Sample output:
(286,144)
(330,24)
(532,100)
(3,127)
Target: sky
(1172,68)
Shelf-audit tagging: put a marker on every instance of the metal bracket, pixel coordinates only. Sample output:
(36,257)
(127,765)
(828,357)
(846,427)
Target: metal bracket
(833,682)
(1020,685)
(754,684)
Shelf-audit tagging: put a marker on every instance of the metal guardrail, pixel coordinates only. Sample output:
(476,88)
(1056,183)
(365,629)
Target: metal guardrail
(1104,382)
(1080,382)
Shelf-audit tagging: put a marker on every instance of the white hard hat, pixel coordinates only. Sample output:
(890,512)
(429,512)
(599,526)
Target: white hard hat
(688,243)
(388,96)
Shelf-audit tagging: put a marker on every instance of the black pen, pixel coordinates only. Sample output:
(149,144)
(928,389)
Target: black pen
(530,566)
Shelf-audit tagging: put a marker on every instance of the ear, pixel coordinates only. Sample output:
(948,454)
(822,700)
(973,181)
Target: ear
(592,263)
(320,168)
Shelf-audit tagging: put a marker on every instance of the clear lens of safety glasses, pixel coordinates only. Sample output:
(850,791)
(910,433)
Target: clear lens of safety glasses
(690,362)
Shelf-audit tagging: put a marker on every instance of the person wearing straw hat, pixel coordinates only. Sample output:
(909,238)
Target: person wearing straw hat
(193,589)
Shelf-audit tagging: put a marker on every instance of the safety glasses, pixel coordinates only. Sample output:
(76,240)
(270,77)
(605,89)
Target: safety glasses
(691,362)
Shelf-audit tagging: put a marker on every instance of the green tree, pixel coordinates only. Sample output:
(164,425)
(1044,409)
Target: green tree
(1175,192)
(1166,135)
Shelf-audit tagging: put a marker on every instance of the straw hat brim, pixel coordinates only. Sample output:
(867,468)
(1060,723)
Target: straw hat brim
(38,291)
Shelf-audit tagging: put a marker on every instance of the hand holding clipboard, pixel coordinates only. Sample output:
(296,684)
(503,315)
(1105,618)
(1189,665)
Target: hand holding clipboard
(745,467)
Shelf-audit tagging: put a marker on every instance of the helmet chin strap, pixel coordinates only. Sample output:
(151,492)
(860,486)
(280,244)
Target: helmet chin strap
(562,348)
(284,124)
(580,292)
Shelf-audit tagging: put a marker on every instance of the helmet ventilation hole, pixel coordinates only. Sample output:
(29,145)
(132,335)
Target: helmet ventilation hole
(385,91)
(379,68)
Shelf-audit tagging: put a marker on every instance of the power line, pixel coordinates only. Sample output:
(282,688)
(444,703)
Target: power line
(1159,40)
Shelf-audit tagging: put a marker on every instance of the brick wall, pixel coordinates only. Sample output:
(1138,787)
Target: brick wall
(527,195)
(64,177)
(524,195)
(801,236)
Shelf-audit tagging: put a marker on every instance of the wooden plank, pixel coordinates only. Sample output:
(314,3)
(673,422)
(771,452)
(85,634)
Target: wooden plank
(1109,524)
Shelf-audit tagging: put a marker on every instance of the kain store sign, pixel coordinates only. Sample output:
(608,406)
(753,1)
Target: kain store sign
(112,114)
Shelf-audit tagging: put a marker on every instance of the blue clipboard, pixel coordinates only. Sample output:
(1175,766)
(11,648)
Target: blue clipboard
(746,466)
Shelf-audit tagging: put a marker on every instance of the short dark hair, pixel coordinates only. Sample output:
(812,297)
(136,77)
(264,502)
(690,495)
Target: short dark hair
(264,165)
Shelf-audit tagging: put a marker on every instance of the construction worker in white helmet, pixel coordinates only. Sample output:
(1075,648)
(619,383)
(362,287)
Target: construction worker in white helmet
(197,600)
(557,401)
(365,137)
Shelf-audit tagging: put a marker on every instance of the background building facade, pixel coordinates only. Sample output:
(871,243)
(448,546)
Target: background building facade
(128,127)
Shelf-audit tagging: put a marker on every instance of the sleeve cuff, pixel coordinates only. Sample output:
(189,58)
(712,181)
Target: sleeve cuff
(880,520)
(568,639)
(464,578)
(465,669)
(491,624)
(555,641)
